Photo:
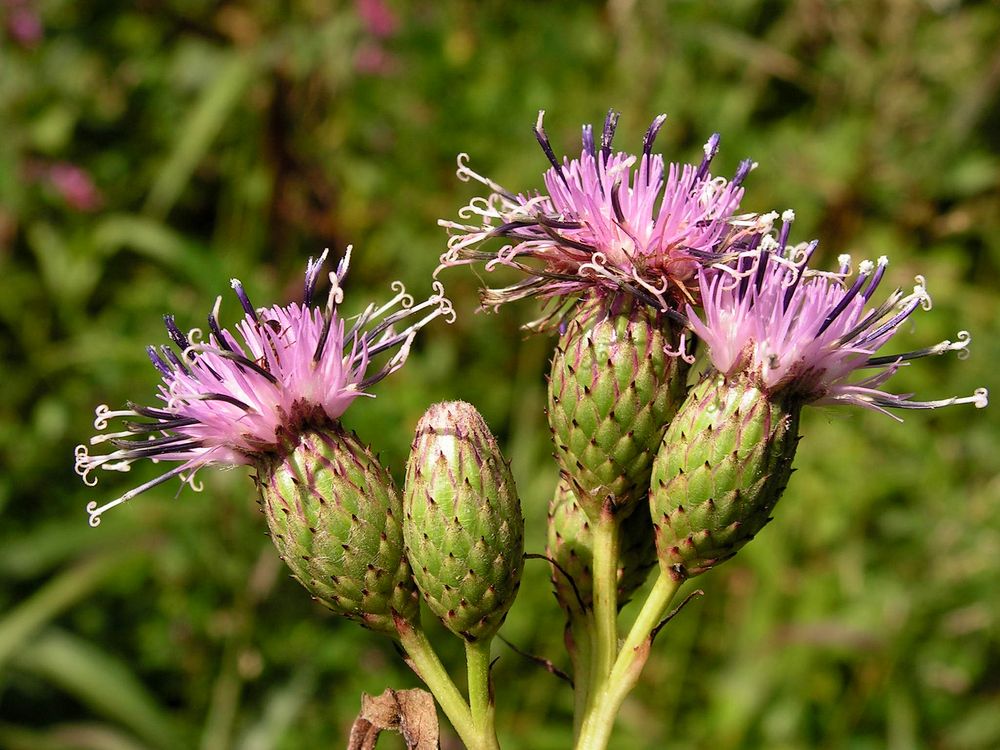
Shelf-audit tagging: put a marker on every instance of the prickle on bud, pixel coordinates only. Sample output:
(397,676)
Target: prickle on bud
(616,380)
(335,517)
(724,463)
(462,521)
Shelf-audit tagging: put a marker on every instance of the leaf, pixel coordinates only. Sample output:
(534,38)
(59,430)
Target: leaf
(100,681)
(74,736)
(281,707)
(412,713)
(158,242)
(196,133)
(55,597)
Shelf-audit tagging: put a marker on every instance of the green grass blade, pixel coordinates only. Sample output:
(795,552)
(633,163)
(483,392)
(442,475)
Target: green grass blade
(99,681)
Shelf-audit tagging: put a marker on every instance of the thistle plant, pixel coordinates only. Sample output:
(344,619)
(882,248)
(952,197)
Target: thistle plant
(690,339)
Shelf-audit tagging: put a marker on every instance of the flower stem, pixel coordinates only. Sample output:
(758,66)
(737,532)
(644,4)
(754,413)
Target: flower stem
(477,655)
(603,707)
(428,666)
(605,564)
(581,634)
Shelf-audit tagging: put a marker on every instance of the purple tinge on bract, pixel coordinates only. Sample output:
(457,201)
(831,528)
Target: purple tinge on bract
(804,333)
(238,396)
(607,221)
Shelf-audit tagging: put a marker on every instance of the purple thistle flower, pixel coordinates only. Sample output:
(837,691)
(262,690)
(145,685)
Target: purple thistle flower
(610,222)
(804,333)
(237,397)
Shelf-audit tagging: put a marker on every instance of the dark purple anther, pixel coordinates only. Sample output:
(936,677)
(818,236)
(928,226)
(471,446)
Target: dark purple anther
(588,140)
(176,335)
(174,359)
(786,227)
(312,275)
(876,279)
(745,262)
(543,141)
(895,321)
(761,269)
(220,339)
(610,124)
(742,171)
(798,276)
(158,363)
(654,130)
(616,203)
(244,299)
(324,334)
(711,149)
(844,301)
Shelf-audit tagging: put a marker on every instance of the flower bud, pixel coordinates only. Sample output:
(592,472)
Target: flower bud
(614,386)
(462,521)
(725,460)
(335,516)
(570,545)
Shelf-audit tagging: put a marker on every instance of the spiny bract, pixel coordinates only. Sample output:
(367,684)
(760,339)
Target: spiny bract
(463,526)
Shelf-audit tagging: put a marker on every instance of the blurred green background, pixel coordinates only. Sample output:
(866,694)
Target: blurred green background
(151,150)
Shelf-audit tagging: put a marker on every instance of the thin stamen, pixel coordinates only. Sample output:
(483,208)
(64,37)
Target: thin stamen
(175,333)
(244,299)
(610,125)
(846,299)
(654,130)
(543,141)
(312,275)
(883,261)
(711,149)
(158,363)
(588,140)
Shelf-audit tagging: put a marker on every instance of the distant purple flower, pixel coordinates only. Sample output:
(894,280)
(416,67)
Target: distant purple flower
(75,186)
(371,58)
(24,24)
(608,221)
(804,333)
(378,17)
(236,398)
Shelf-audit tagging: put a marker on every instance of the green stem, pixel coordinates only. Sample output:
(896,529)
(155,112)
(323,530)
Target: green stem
(428,666)
(605,563)
(603,707)
(477,655)
(580,631)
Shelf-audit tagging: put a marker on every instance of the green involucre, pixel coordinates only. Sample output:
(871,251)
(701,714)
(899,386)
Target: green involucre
(462,521)
(612,391)
(724,463)
(335,517)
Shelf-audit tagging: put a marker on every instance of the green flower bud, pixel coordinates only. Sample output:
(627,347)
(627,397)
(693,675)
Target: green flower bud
(462,521)
(335,517)
(612,391)
(723,465)
(570,545)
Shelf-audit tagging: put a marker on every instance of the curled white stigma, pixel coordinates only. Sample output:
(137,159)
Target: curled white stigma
(921,293)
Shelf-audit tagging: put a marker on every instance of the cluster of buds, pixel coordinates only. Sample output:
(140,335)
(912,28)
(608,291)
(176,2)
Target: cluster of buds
(645,264)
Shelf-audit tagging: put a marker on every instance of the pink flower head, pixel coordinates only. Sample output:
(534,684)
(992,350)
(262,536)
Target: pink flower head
(804,333)
(75,186)
(608,221)
(242,395)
